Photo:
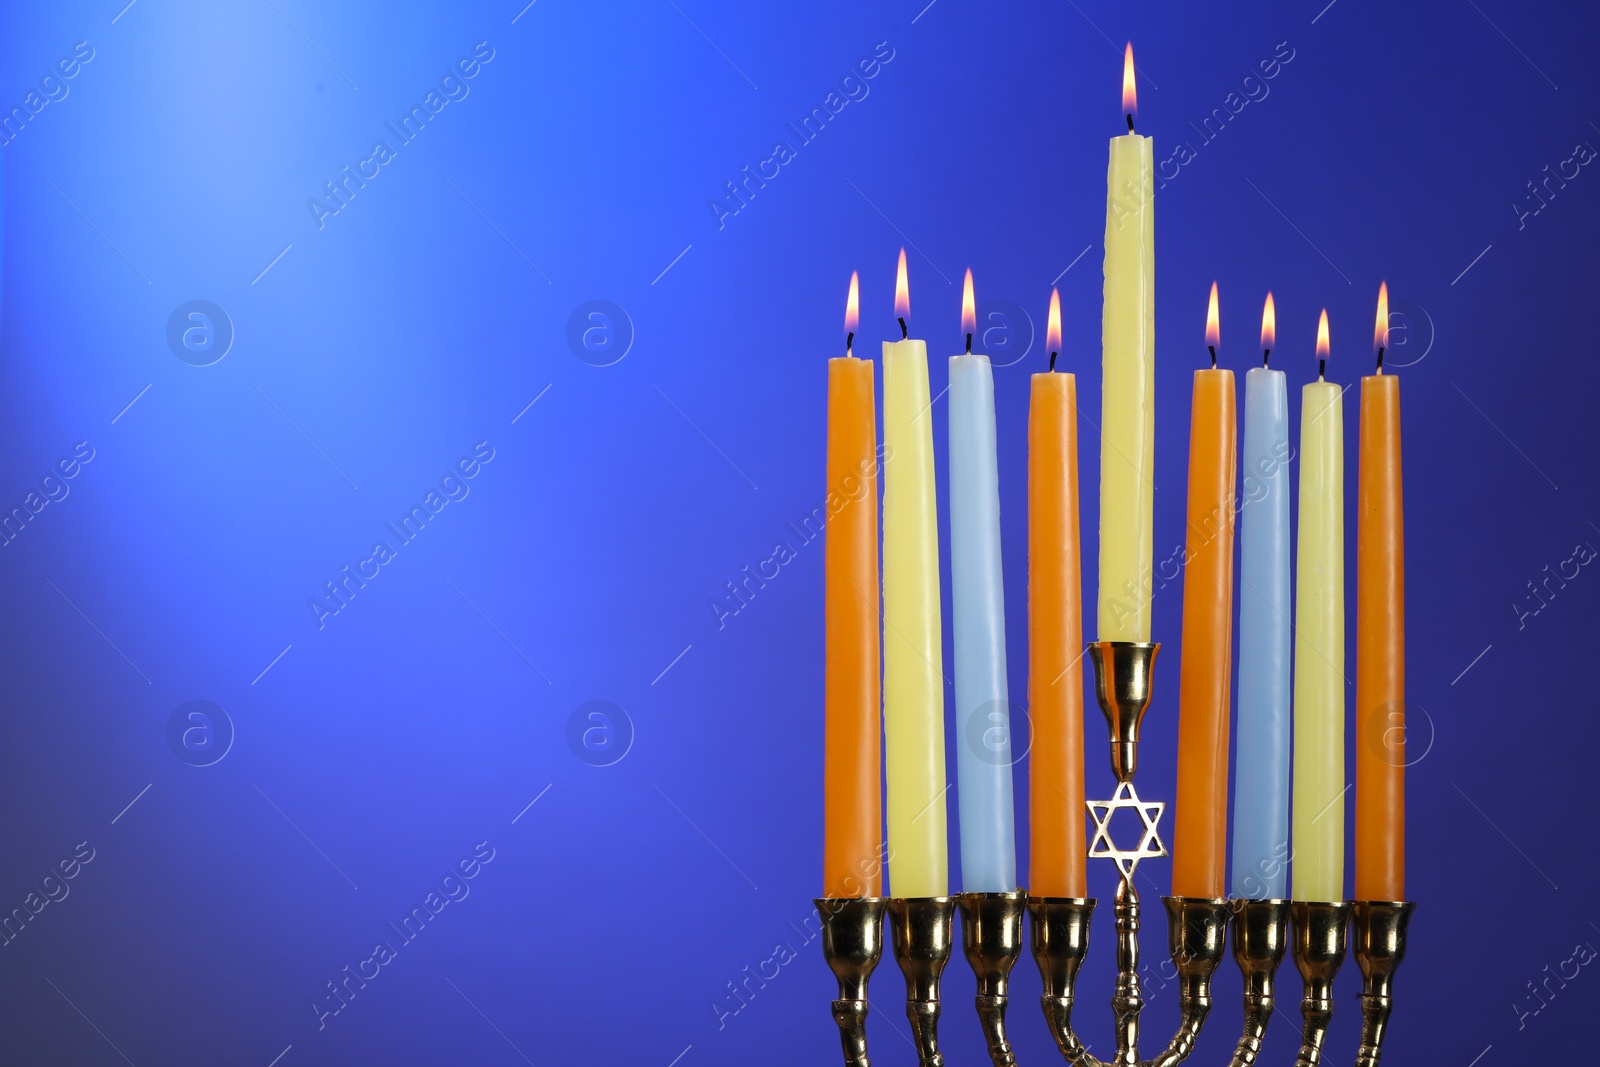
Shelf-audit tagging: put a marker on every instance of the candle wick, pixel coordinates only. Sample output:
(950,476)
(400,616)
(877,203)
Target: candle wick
(1213,350)
(1130,122)
(1322,368)
(1380,359)
(904,333)
(1265,354)
(1052,361)
(850,344)
(969,344)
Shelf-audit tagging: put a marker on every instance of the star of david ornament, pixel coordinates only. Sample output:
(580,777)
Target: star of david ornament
(1149,842)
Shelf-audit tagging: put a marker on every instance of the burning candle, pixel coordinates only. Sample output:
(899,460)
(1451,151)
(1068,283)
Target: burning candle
(983,711)
(852,783)
(1055,631)
(1319,781)
(1200,843)
(1380,636)
(913,679)
(1127,405)
(1261,789)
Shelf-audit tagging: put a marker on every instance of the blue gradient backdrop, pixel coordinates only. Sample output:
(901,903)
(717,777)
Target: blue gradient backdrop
(676,834)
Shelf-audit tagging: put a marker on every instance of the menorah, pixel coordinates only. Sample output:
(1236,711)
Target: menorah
(991,935)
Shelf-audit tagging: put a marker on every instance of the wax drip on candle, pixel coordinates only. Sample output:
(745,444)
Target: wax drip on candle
(902,296)
(852,315)
(1130,95)
(1380,329)
(969,313)
(1269,328)
(1322,345)
(1052,330)
(1213,326)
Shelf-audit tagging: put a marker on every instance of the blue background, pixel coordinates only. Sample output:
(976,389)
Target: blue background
(370,755)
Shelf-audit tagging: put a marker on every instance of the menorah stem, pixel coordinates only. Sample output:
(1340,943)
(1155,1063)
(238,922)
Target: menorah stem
(1319,947)
(1128,1000)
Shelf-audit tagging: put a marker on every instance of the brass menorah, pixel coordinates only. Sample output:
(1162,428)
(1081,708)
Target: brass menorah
(1197,928)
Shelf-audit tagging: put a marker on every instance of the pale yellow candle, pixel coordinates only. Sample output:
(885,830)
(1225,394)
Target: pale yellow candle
(913,683)
(1319,682)
(1127,399)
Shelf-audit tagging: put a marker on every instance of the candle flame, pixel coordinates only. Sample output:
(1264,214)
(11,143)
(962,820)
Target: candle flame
(969,311)
(1130,94)
(1269,323)
(852,305)
(1380,329)
(902,290)
(1322,335)
(1052,330)
(1213,326)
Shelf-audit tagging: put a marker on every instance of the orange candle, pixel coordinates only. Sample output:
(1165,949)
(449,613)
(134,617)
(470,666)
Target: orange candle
(1055,632)
(852,780)
(1380,638)
(1199,847)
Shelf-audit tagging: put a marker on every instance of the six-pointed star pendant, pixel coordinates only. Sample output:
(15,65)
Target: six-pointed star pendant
(1149,842)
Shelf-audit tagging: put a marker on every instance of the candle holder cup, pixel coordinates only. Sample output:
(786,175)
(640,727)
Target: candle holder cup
(920,933)
(991,938)
(1260,939)
(1264,931)
(1379,932)
(852,943)
(1060,942)
(1319,948)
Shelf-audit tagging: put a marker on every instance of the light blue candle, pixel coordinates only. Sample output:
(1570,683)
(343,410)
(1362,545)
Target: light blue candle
(983,712)
(1261,779)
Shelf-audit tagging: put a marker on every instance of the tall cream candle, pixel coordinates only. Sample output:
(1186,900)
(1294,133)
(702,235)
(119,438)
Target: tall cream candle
(913,681)
(1319,681)
(1127,400)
